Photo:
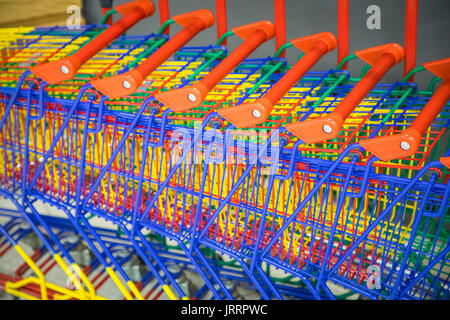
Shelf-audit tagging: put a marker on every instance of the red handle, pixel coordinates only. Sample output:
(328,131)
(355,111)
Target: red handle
(127,83)
(382,58)
(251,114)
(406,143)
(343,30)
(221,14)
(64,69)
(164,14)
(280,24)
(104,11)
(192,96)
(412,11)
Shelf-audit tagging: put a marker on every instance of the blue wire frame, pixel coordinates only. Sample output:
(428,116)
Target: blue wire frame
(16,228)
(333,180)
(317,219)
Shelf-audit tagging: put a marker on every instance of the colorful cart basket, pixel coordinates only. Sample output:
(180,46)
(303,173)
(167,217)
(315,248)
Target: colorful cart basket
(139,167)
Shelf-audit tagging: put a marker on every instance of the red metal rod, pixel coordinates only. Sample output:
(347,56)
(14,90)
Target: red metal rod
(432,108)
(164,14)
(107,36)
(410,36)
(283,85)
(104,11)
(320,129)
(64,69)
(343,18)
(407,143)
(128,82)
(221,17)
(257,112)
(280,24)
(177,41)
(349,103)
(247,47)
(192,96)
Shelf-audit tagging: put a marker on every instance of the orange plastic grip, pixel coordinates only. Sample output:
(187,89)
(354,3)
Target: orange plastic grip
(382,58)
(192,96)
(406,143)
(251,114)
(445,161)
(64,69)
(432,108)
(363,87)
(127,83)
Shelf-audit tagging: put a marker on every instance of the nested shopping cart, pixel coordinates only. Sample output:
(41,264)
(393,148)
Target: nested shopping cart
(252,167)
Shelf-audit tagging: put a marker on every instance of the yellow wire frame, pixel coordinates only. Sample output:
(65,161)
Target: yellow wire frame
(13,288)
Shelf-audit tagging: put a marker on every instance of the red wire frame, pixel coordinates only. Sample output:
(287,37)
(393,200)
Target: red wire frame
(164,14)
(280,24)
(221,15)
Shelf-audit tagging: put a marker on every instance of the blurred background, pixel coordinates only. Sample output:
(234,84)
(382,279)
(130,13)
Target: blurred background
(303,17)
(36,13)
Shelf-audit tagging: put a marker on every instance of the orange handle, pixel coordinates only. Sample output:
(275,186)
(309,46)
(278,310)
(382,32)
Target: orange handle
(406,143)
(127,83)
(192,96)
(445,161)
(251,114)
(64,69)
(382,58)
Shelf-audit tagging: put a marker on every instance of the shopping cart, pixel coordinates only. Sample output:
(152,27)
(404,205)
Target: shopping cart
(39,103)
(146,157)
(125,253)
